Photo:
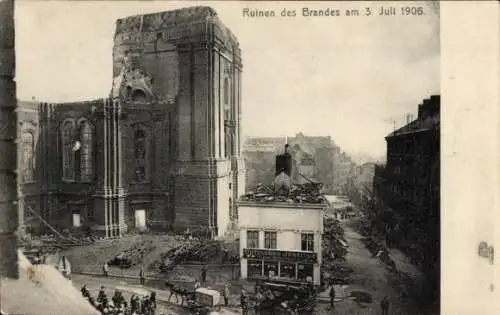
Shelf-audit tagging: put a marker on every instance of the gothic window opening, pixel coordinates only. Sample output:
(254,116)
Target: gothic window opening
(67,152)
(231,213)
(138,96)
(228,126)
(28,157)
(140,155)
(227,106)
(86,169)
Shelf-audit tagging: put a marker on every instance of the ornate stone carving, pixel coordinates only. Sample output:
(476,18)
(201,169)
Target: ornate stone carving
(132,84)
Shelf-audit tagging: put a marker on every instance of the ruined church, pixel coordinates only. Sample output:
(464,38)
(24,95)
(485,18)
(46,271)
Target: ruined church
(162,151)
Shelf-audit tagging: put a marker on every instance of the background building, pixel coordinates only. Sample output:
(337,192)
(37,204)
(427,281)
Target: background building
(408,190)
(162,150)
(281,240)
(318,158)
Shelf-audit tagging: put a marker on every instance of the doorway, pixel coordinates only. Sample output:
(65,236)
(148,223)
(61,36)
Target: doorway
(77,220)
(140,219)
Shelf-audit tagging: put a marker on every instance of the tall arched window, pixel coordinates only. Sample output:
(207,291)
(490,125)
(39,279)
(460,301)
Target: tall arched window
(140,148)
(86,152)
(28,158)
(226,100)
(228,131)
(67,152)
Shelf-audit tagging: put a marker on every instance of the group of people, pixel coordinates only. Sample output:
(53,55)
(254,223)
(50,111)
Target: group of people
(118,305)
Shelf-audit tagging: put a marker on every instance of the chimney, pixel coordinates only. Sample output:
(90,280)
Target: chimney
(284,162)
(8,119)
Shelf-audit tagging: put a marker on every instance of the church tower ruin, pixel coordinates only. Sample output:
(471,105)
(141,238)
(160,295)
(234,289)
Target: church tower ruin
(172,136)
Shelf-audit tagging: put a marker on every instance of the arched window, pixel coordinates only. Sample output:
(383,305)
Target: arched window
(138,96)
(28,158)
(140,149)
(227,100)
(231,211)
(228,129)
(86,152)
(67,152)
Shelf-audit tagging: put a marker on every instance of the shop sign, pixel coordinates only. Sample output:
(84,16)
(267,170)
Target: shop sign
(279,255)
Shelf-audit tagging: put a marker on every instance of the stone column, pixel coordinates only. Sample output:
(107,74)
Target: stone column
(8,147)
(101,202)
(119,191)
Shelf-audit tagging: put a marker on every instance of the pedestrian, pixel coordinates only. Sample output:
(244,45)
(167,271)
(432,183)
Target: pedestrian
(243,300)
(384,305)
(101,295)
(134,305)
(203,274)
(141,275)
(105,269)
(152,300)
(332,298)
(225,256)
(226,294)
(85,291)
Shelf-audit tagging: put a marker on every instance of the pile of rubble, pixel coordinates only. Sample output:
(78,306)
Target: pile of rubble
(298,193)
(134,255)
(335,248)
(334,243)
(51,242)
(193,250)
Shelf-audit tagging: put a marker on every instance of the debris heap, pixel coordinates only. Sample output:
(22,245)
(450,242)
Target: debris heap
(298,193)
(190,251)
(335,248)
(134,255)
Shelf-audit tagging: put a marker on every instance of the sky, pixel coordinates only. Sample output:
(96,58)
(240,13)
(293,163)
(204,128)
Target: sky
(347,77)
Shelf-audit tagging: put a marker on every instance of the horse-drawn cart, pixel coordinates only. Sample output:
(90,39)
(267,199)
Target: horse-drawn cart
(204,301)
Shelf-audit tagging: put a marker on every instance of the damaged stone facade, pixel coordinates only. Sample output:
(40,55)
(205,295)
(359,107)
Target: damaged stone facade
(165,143)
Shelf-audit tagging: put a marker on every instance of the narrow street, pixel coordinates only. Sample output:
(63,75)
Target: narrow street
(371,276)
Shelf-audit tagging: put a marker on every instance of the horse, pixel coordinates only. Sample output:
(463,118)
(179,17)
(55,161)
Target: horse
(177,292)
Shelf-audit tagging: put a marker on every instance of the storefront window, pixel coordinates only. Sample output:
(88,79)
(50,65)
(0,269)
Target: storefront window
(305,271)
(270,268)
(287,270)
(254,268)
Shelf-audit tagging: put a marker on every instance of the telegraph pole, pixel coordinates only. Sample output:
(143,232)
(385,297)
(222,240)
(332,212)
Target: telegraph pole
(8,147)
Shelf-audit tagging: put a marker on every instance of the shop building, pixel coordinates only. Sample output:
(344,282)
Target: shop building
(281,240)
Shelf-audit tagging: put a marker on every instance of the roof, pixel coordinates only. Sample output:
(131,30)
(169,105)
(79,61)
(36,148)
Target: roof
(419,125)
(47,291)
(299,194)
